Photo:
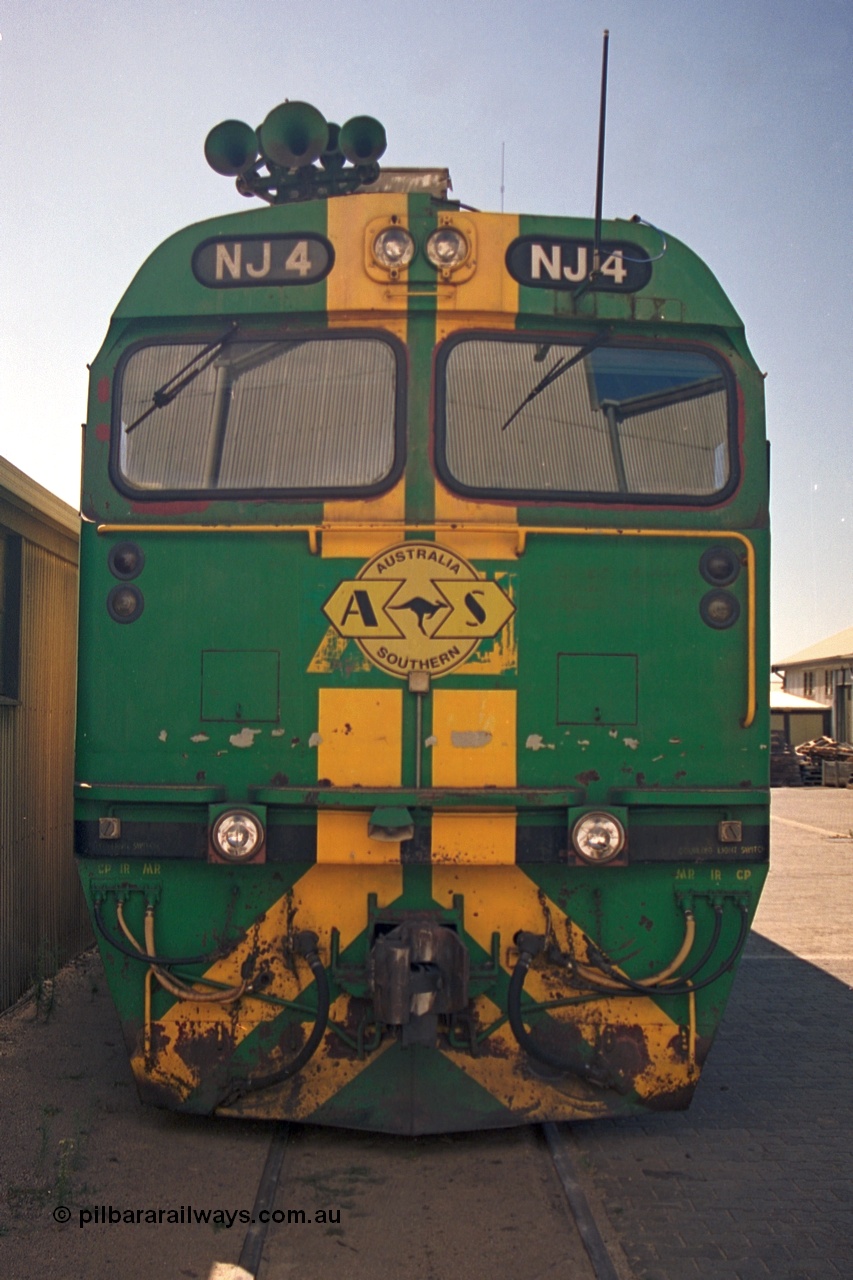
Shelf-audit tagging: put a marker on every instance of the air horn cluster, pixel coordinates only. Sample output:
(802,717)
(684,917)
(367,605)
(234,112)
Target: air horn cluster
(278,160)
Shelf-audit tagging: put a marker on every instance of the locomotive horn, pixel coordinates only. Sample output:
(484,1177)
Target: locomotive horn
(362,140)
(294,135)
(231,147)
(332,158)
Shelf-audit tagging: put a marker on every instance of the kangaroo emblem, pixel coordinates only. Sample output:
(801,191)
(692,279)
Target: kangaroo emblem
(422,609)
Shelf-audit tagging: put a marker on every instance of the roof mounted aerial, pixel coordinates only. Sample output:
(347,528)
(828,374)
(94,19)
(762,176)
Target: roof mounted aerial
(595,271)
(292,139)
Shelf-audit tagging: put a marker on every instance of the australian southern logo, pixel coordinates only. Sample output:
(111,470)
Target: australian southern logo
(418,607)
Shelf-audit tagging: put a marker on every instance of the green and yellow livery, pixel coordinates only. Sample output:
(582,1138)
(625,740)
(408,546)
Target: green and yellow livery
(422,769)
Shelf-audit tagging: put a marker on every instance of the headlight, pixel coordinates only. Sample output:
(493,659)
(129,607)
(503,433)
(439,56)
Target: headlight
(598,837)
(719,609)
(237,835)
(447,248)
(394,247)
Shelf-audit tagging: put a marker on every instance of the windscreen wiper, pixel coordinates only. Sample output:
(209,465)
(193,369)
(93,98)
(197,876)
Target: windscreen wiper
(172,389)
(556,371)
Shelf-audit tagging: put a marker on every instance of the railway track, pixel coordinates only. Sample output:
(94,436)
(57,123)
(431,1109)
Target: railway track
(509,1202)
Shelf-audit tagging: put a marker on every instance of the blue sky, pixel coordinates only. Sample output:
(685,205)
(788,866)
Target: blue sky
(730,126)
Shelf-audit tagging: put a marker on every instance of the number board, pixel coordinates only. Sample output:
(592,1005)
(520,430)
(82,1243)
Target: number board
(262,260)
(556,262)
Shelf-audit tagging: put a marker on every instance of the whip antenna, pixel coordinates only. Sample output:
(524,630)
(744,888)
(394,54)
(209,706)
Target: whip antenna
(599,180)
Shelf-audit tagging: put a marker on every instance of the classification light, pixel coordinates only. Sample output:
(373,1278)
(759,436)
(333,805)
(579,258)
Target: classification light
(447,248)
(394,248)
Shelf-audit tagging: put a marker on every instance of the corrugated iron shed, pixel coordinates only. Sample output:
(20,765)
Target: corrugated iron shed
(42,916)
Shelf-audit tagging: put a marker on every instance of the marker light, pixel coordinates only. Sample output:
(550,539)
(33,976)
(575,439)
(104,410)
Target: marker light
(719,566)
(125,604)
(447,248)
(719,609)
(126,560)
(393,248)
(598,837)
(237,835)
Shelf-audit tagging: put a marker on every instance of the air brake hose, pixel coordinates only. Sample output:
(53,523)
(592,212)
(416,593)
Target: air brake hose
(209,957)
(306,945)
(230,995)
(680,988)
(529,945)
(656,978)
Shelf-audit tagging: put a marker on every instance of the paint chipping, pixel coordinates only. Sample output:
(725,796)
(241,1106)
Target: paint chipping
(656,758)
(535,742)
(614,733)
(244,738)
(633,743)
(162,735)
(583,742)
(200,737)
(315,740)
(470,737)
(277,733)
(431,741)
(675,740)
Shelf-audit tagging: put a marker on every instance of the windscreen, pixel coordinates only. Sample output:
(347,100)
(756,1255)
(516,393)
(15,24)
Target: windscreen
(314,414)
(532,418)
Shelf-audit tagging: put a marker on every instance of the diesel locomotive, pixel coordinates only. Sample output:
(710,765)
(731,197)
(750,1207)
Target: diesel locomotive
(422,759)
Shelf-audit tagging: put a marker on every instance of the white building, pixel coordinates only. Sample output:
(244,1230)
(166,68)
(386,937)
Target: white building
(823,673)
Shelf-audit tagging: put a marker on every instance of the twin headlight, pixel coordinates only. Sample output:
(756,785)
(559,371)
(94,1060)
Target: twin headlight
(447,248)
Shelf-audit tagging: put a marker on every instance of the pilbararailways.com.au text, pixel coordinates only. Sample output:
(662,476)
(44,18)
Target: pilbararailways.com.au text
(112,1215)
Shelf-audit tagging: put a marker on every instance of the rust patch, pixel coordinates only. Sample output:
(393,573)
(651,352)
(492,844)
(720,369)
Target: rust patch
(358,1008)
(590,775)
(623,1051)
(279,780)
(204,1050)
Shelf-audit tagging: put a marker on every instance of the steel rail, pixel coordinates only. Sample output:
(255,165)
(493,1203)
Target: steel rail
(591,1238)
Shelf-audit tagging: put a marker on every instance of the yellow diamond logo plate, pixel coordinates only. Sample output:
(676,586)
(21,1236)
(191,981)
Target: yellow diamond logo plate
(418,606)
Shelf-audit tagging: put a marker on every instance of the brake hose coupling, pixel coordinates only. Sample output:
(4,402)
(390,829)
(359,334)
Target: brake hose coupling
(306,943)
(530,945)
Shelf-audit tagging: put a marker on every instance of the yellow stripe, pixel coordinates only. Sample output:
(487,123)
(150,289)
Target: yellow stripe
(475,732)
(349,288)
(361,737)
(361,743)
(473,838)
(475,746)
(489,295)
(488,300)
(354,300)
